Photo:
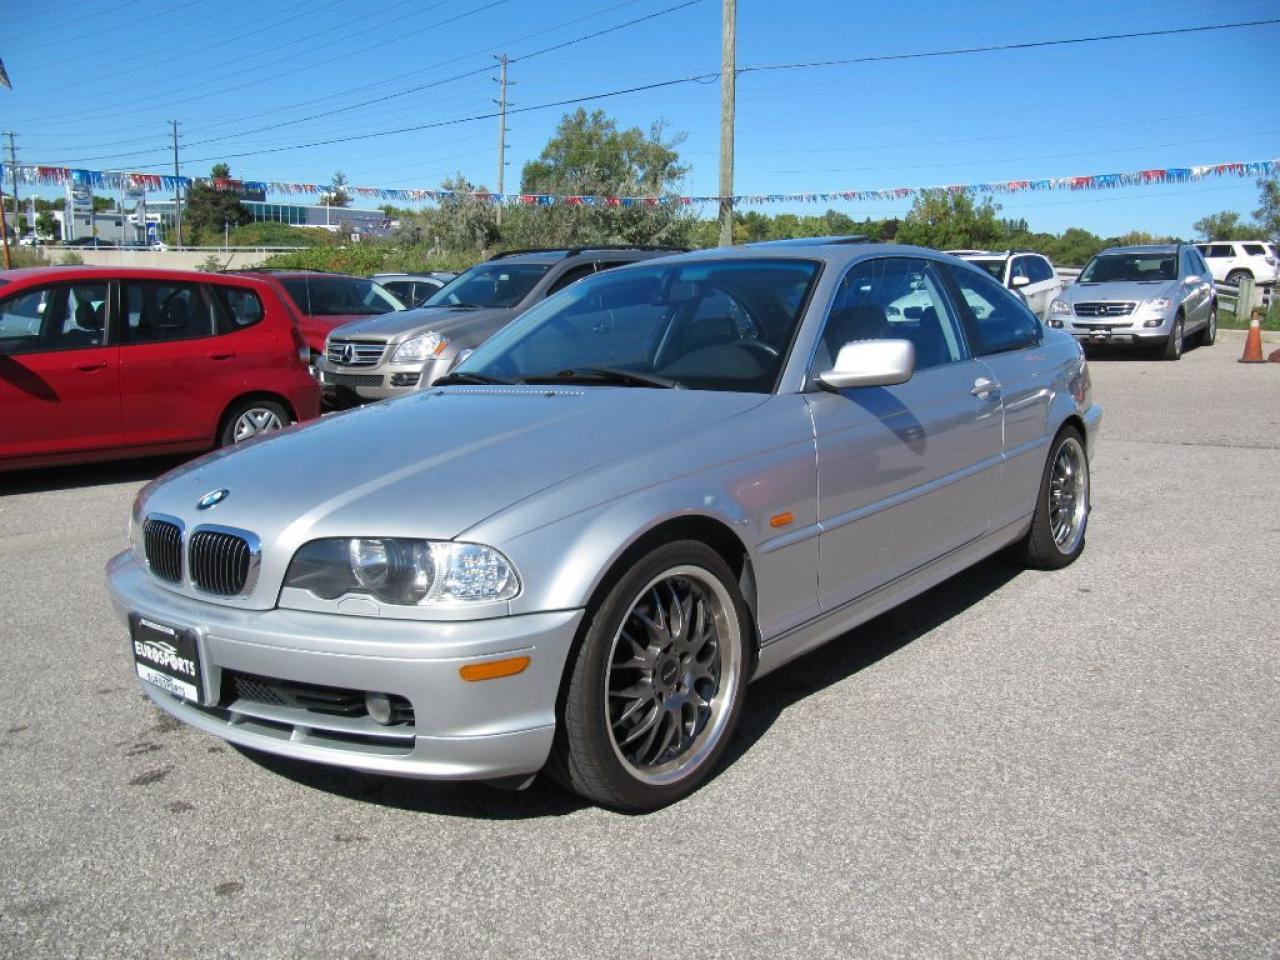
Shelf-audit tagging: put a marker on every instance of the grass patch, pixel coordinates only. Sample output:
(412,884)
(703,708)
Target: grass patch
(1227,319)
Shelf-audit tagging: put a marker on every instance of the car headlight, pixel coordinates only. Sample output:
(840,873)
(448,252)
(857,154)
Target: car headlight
(419,349)
(1160,304)
(401,571)
(1060,306)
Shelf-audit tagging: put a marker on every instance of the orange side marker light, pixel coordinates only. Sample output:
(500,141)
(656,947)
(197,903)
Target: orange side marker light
(493,669)
(781,519)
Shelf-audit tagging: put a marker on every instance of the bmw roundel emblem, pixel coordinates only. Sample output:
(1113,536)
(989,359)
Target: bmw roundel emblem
(212,498)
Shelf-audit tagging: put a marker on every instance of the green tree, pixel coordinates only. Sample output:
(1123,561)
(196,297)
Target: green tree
(1268,214)
(336,195)
(949,221)
(46,225)
(220,171)
(589,156)
(207,210)
(1226,225)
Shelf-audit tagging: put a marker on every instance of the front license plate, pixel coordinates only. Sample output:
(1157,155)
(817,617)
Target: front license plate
(166,656)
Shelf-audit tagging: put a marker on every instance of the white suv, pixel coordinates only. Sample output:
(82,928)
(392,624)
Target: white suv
(1231,261)
(1025,271)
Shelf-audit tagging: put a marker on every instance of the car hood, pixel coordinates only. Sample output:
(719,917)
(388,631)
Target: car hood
(430,465)
(406,323)
(1119,290)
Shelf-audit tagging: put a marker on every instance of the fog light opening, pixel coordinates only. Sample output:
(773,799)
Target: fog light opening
(379,707)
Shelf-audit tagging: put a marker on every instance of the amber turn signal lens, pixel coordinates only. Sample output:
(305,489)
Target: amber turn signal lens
(781,519)
(493,669)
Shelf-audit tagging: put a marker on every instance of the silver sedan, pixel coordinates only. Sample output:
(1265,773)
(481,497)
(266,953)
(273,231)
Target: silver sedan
(573,554)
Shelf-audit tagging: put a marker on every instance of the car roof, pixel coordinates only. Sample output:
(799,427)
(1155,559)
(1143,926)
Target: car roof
(560,254)
(80,271)
(813,241)
(1145,248)
(431,275)
(836,254)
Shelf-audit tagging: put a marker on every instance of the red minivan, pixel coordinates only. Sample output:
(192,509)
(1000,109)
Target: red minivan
(98,363)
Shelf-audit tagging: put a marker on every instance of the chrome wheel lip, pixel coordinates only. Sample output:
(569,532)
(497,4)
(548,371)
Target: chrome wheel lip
(728,627)
(1068,495)
(254,422)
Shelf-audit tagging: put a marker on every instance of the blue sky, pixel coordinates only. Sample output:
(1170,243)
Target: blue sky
(96,83)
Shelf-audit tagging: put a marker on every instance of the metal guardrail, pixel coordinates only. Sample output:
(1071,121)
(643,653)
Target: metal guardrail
(116,248)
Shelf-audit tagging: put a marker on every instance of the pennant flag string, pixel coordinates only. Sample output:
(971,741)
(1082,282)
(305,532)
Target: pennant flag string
(32,174)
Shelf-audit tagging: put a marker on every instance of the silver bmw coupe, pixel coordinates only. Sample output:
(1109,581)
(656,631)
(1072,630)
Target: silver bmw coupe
(573,553)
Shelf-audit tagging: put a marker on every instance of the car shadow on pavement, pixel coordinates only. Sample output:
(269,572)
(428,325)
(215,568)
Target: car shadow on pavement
(87,475)
(766,700)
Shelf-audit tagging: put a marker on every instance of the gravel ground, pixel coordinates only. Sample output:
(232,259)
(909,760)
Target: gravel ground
(1074,764)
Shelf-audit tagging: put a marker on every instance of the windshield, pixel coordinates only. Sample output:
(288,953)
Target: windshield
(705,324)
(1132,267)
(325,296)
(489,285)
(993,267)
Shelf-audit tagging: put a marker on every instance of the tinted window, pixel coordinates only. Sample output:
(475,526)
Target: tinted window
(993,267)
(1039,269)
(1255,250)
(493,284)
(1020,269)
(1130,267)
(896,298)
(571,276)
(706,324)
(1219,250)
(158,312)
(322,296)
(998,319)
(240,308)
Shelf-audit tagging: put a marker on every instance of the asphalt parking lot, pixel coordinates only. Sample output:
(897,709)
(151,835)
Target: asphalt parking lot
(1073,764)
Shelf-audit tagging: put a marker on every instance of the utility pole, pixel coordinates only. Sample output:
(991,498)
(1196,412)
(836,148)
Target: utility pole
(13,171)
(728,84)
(177,187)
(502,127)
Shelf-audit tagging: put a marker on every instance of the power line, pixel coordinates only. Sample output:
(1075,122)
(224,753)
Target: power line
(1028,45)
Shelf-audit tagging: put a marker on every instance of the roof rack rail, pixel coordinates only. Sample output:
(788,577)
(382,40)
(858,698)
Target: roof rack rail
(575,251)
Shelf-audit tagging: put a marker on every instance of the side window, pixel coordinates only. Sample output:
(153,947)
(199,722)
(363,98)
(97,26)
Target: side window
(400,289)
(62,317)
(997,319)
(162,312)
(1219,250)
(1019,268)
(1040,269)
(1255,250)
(571,276)
(897,298)
(239,308)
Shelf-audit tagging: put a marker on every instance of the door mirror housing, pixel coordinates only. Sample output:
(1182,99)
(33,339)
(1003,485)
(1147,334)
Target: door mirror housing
(1020,281)
(871,363)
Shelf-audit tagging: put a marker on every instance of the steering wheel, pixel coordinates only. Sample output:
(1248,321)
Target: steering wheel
(770,352)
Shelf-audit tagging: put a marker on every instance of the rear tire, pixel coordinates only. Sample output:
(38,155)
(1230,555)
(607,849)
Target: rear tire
(252,418)
(655,687)
(1056,537)
(1235,276)
(1172,349)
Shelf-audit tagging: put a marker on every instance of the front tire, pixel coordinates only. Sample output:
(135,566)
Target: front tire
(1056,537)
(1172,349)
(656,686)
(1210,332)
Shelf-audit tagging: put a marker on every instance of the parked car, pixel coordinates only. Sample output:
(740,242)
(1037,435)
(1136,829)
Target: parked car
(389,356)
(325,301)
(100,364)
(576,550)
(1143,296)
(1231,262)
(412,289)
(1025,271)
(94,242)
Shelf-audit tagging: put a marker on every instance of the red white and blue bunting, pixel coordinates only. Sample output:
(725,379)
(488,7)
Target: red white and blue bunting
(119,180)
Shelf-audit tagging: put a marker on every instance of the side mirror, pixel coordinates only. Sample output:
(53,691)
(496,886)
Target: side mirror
(871,363)
(1019,281)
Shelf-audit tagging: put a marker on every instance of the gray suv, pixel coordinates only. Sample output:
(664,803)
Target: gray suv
(1144,296)
(388,356)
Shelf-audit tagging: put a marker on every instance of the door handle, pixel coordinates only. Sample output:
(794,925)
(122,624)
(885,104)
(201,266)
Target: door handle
(221,355)
(982,387)
(92,365)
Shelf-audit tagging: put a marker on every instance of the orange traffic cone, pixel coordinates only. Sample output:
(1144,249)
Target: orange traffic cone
(1253,343)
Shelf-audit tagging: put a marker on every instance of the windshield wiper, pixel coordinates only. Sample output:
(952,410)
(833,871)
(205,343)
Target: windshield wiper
(460,377)
(607,375)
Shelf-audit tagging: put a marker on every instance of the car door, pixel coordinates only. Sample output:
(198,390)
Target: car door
(1197,292)
(1044,282)
(906,473)
(1006,336)
(173,373)
(59,372)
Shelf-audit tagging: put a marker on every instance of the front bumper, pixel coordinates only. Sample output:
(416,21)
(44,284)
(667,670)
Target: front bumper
(373,383)
(1127,330)
(459,730)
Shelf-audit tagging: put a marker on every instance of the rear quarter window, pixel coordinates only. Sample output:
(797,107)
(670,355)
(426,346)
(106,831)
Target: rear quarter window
(1255,250)
(238,308)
